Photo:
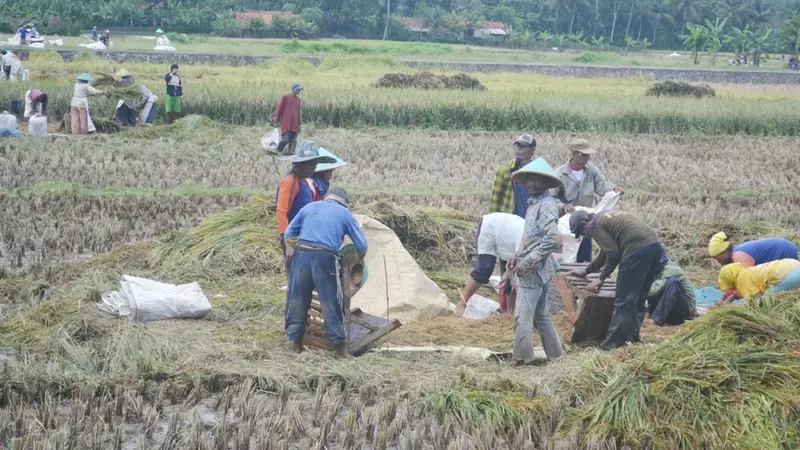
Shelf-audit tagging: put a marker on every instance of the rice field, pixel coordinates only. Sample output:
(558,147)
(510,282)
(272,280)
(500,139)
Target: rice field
(76,213)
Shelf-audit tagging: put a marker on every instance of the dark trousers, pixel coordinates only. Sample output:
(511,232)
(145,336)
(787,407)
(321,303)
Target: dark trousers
(585,250)
(671,307)
(288,142)
(314,269)
(7,72)
(636,275)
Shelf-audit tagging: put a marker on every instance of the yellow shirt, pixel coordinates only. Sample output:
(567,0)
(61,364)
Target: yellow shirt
(756,280)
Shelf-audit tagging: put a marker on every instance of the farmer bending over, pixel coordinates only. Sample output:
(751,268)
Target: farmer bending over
(671,300)
(534,264)
(320,228)
(629,243)
(499,235)
(750,253)
(739,281)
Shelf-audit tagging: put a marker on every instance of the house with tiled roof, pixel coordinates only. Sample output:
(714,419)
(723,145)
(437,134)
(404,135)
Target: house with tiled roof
(245,17)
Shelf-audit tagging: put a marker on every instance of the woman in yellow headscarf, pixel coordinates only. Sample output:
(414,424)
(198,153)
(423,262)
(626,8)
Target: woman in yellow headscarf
(739,281)
(750,253)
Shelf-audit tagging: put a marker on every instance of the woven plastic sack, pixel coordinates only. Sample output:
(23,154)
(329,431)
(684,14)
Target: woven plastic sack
(8,120)
(271,139)
(570,245)
(37,126)
(145,300)
(479,307)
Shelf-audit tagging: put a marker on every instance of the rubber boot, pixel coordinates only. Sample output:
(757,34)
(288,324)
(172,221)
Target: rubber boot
(168,118)
(296,346)
(341,351)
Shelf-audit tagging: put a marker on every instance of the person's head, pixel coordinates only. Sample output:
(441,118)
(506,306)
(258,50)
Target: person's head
(338,195)
(173,68)
(3,52)
(728,275)
(524,148)
(325,169)
(579,223)
(327,175)
(537,176)
(84,78)
(581,151)
(304,169)
(297,88)
(94,27)
(720,248)
(43,101)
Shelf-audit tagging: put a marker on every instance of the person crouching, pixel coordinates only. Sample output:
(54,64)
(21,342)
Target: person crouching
(533,265)
(319,229)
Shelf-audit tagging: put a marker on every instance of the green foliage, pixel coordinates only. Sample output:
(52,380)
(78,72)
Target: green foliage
(790,33)
(597,58)
(695,41)
(714,33)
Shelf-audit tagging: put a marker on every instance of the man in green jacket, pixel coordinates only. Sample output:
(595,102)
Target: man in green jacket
(582,184)
(629,243)
(509,196)
(671,300)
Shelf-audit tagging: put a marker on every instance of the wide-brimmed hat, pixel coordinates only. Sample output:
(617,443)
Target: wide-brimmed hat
(122,73)
(539,167)
(324,167)
(85,77)
(159,30)
(582,146)
(308,151)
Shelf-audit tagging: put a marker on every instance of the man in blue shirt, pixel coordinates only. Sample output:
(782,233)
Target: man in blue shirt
(319,229)
(23,34)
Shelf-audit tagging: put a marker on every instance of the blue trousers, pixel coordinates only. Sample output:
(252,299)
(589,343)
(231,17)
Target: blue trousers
(671,306)
(585,250)
(314,269)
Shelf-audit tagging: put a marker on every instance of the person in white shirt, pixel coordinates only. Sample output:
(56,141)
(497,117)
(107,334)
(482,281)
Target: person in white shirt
(9,59)
(79,106)
(499,235)
(582,182)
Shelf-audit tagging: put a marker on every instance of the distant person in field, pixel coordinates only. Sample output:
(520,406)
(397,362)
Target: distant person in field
(79,106)
(750,253)
(533,265)
(288,117)
(499,235)
(507,195)
(320,182)
(739,281)
(583,182)
(94,33)
(35,103)
(294,192)
(625,241)
(671,300)
(23,34)
(9,59)
(319,229)
(174,93)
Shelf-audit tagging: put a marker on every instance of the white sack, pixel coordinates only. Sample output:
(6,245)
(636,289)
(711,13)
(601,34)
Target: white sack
(271,139)
(164,48)
(479,307)
(145,300)
(570,245)
(57,42)
(37,126)
(8,120)
(36,45)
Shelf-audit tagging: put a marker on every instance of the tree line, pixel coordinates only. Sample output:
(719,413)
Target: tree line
(619,23)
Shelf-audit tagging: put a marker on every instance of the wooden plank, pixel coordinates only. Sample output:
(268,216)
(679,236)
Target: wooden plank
(362,344)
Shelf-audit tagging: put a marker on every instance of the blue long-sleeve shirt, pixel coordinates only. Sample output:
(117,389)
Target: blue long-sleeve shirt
(326,223)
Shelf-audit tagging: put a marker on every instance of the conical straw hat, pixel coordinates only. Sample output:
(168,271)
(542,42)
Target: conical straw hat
(539,167)
(323,167)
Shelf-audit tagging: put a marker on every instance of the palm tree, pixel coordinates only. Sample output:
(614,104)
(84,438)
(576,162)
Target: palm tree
(714,41)
(739,40)
(761,14)
(758,45)
(695,41)
(790,33)
(657,14)
(545,37)
(557,6)
(687,10)
(574,6)
(739,12)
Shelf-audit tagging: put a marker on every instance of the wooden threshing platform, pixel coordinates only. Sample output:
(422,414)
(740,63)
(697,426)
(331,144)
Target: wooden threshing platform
(594,309)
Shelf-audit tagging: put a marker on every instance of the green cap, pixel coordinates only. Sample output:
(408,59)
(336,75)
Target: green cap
(324,167)
(85,77)
(539,167)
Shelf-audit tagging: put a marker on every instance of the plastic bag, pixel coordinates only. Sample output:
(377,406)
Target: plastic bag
(37,126)
(145,300)
(270,140)
(570,245)
(8,120)
(479,307)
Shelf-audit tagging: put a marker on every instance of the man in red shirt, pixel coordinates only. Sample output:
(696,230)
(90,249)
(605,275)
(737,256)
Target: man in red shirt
(287,117)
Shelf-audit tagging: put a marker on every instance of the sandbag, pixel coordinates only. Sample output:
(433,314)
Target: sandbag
(145,300)
(8,120)
(570,245)
(480,307)
(37,126)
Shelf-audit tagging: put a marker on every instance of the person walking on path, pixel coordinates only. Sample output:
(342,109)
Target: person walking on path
(533,265)
(499,236)
(508,196)
(320,228)
(750,253)
(582,182)
(9,59)
(79,106)
(627,242)
(174,94)
(288,117)
(294,192)
(671,300)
